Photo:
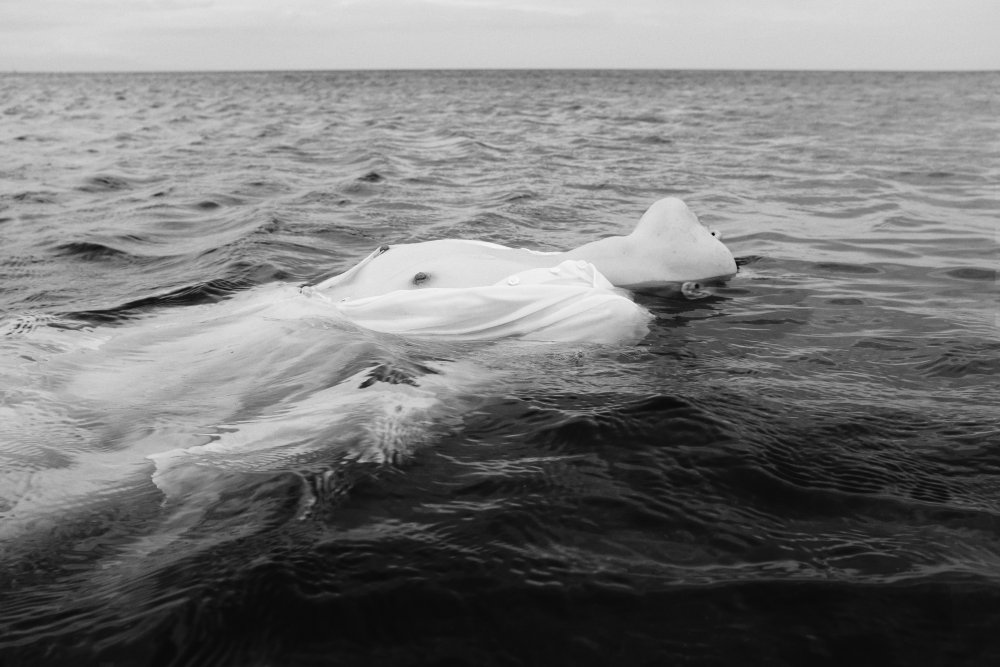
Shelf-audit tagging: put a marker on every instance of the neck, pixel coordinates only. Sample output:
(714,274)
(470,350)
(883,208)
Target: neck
(613,256)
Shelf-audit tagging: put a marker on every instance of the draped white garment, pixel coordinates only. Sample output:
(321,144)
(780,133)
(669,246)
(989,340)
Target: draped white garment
(569,302)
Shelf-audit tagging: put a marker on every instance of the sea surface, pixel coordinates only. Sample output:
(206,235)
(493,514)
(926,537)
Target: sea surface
(800,469)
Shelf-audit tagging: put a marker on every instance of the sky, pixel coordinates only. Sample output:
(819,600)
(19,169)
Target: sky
(172,35)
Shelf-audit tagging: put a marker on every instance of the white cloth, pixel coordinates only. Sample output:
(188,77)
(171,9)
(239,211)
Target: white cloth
(569,302)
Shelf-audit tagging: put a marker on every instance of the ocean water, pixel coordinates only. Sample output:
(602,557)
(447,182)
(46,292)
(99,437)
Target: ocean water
(803,468)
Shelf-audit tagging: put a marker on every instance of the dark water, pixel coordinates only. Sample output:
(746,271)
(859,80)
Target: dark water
(801,469)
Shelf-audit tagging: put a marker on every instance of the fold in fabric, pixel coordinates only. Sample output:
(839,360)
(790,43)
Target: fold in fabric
(569,302)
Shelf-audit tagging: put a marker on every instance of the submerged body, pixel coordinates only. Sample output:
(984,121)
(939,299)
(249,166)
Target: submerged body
(171,406)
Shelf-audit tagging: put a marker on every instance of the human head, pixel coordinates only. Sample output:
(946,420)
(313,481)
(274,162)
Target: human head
(671,247)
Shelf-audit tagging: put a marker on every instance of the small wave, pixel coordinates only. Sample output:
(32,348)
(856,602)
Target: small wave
(112,182)
(36,197)
(847,212)
(371,177)
(25,323)
(882,462)
(211,291)
(657,419)
(932,177)
(747,260)
(972,273)
(905,222)
(105,183)
(959,360)
(841,267)
(213,202)
(655,140)
(89,251)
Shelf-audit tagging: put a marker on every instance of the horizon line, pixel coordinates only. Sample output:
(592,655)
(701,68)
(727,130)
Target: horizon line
(816,70)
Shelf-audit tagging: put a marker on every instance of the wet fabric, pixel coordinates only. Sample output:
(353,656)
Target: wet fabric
(571,301)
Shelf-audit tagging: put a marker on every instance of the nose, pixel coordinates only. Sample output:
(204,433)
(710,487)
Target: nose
(716,233)
(694,290)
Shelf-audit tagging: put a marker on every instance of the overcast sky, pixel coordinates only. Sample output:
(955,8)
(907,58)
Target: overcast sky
(73,35)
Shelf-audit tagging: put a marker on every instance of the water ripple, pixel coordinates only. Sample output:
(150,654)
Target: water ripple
(806,458)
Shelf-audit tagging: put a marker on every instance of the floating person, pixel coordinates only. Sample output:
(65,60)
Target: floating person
(166,410)
(475,290)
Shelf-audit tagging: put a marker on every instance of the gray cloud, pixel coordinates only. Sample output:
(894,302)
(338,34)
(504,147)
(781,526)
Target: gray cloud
(262,34)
